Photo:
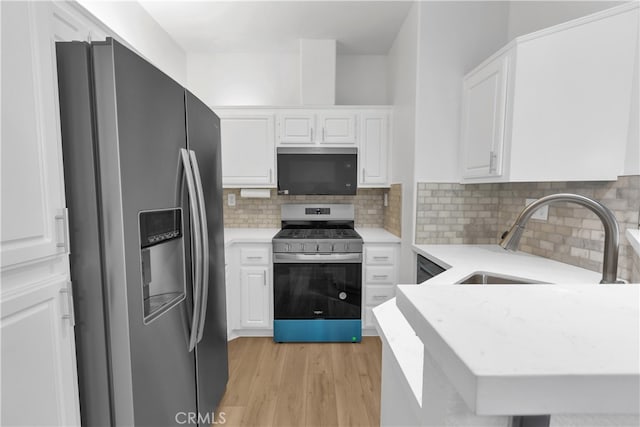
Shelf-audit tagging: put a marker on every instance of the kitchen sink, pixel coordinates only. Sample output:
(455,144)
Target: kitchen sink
(485,278)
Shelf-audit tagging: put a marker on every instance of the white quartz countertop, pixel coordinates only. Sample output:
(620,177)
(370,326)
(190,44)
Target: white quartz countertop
(377,235)
(533,349)
(249,235)
(464,260)
(264,235)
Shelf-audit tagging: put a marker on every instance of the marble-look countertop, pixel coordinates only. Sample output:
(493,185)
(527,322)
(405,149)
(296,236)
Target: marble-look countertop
(377,235)
(398,327)
(533,349)
(463,260)
(264,235)
(249,235)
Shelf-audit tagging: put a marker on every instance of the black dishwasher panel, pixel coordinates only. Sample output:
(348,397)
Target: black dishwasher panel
(427,269)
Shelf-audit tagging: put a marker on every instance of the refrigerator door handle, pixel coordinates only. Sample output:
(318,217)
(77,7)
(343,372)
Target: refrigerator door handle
(196,239)
(205,245)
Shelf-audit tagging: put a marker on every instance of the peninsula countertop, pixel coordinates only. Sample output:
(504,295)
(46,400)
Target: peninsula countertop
(533,349)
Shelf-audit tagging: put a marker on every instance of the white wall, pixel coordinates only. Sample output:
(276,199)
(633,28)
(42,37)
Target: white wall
(454,37)
(402,95)
(224,79)
(131,22)
(361,79)
(529,16)
(269,78)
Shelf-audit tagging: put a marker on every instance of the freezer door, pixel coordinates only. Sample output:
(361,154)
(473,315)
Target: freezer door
(140,131)
(203,129)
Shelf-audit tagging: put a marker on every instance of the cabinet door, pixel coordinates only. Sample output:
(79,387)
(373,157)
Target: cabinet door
(296,128)
(248,151)
(337,128)
(483,121)
(254,284)
(374,148)
(32,183)
(39,384)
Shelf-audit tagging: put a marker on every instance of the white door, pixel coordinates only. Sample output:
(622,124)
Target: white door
(483,121)
(296,128)
(248,151)
(374,149)
(254,289)
(39,385)
(337,128)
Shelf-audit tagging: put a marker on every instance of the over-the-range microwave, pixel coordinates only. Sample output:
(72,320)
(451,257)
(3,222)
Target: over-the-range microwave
(321,171)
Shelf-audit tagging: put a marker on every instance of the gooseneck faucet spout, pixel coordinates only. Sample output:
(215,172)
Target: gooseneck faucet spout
(511,239)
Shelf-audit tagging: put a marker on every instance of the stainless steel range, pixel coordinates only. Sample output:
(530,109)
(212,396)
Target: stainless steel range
(317,275)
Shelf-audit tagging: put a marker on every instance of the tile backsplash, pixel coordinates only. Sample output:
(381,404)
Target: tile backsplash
(480,213)
(265,213)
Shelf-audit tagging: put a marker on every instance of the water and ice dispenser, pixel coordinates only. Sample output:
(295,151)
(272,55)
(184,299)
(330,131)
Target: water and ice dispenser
(162,261)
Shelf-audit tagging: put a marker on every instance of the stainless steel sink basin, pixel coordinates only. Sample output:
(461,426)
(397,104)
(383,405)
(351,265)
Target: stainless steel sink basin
(486,278)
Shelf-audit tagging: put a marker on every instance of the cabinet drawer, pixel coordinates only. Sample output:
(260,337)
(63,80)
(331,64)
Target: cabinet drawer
(254,256)
(381,256)
(376,295)
(380,274)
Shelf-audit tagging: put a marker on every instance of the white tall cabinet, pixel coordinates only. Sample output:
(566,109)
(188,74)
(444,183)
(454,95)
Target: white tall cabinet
(39,380)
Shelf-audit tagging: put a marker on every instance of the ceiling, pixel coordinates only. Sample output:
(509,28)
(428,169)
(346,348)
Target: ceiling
(360,27)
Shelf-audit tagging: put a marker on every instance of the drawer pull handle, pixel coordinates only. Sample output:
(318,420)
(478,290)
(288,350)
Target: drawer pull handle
(380,297)
(380,276)
(254,257)
(381,257)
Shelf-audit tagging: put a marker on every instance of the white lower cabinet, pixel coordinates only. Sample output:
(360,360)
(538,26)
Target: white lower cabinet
(249,289)
(254,288)
(39,385)
(379,278)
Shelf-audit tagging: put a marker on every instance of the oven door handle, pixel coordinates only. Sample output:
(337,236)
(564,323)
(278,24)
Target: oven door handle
(317,258)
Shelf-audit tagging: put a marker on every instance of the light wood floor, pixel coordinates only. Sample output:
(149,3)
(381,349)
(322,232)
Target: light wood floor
(303,384)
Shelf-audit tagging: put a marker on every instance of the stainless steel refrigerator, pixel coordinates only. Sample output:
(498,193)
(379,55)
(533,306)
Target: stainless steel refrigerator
(143,180)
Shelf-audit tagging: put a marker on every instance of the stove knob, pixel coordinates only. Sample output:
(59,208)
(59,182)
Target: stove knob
(342,295)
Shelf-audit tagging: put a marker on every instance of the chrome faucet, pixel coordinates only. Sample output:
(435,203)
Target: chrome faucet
(511,238)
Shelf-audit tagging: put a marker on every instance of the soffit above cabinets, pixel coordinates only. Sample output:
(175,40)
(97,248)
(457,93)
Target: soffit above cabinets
(360,27)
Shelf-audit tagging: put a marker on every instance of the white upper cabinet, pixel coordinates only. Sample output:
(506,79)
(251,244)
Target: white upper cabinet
(484,100)
(32,183)
(248,148)
(317,127)
(337,127)
(374,149)
(250,135)
(553,105)
(296,128)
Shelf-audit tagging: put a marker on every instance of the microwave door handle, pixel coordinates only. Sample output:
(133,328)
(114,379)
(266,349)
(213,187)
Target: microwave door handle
(196,243)
(205,245)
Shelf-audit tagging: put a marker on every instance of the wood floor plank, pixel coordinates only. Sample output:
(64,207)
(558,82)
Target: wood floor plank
(303,384)
(290,407)
(242,377)
(320,394)
(349,394)
(266,386)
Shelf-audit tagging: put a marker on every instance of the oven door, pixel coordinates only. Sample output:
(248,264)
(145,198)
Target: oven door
(317,290)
